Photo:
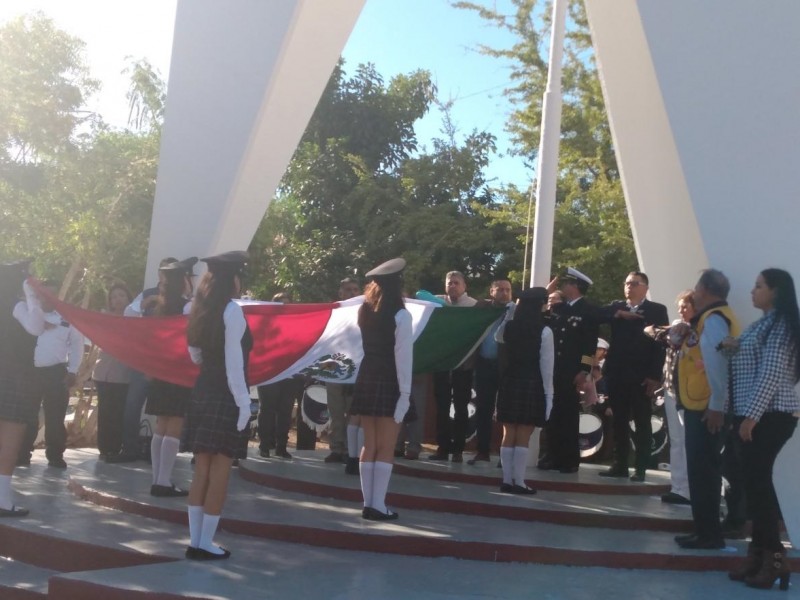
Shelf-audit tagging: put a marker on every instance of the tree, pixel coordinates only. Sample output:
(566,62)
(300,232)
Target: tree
(592,231)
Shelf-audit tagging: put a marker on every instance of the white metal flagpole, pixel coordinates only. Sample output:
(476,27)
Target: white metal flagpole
(547,171)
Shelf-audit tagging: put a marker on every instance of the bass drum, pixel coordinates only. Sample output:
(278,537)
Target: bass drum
(472,423)
(315,408)
(590,434)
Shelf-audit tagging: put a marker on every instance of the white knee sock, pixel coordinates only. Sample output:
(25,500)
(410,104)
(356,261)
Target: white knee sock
(520,464)
(352,441)
(507,460)
(195,525)
(169,452)
(207,532)
(155,455)
(6,494)
(367,471)
(380,485)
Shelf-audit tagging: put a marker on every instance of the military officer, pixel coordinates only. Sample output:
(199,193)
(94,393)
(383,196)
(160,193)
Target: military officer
(574,323)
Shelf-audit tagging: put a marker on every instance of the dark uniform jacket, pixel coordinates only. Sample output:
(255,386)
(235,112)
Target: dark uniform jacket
(575,331)
(632,355)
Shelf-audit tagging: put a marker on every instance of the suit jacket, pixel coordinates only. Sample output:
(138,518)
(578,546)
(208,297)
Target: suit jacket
(575,329)
(632,355)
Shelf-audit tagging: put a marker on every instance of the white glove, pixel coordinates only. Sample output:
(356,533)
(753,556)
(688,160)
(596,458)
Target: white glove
(244,417)
(403,403)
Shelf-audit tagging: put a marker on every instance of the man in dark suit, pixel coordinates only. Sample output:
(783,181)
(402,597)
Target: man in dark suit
(574,324)
(633,372)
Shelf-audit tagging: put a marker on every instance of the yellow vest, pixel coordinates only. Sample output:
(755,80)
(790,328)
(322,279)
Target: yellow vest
(694,392)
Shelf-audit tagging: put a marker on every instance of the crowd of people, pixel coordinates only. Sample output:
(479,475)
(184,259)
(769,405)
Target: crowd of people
(722,388)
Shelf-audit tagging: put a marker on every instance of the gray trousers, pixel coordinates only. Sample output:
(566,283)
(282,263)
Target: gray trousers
(340,397)
(414,432)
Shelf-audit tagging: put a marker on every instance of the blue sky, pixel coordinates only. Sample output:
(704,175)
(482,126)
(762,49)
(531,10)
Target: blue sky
(398,36)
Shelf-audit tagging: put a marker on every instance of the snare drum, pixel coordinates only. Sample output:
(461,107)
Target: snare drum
(315,408)
(590,434)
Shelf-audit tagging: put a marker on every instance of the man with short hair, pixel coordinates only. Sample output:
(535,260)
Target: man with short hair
(703,393)
(574,325)
(57,357)
(633,371)
(340,395)
(453,386)
(487,375)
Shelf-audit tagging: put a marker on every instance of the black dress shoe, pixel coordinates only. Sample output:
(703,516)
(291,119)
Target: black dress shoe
(615,471)
(200,554)
(567,470)
(733,531)
(282,453)
(545,465)
(263,453)
(684,536)
(522,490)
(14,511)
(479,457)
(673,498)
(167,491)
(506,488)
(701,543)
(58,463)
(638,476)
(439,456)
(373,514)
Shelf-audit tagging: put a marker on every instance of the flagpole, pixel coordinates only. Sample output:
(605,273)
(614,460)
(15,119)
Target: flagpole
(547,170)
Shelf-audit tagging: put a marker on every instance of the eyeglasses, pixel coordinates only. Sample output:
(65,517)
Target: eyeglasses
(633,283)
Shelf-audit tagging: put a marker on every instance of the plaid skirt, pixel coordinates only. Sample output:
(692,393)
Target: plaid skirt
(18,402)
(211,422)
(166,399)
(520,401)
(376,395)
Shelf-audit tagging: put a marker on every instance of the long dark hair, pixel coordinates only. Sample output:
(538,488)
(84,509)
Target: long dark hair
(114,288)
(206,329)
(785,304)
(170,299)
(528,317)
(383,297)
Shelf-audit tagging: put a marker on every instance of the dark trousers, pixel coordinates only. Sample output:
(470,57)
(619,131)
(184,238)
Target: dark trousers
(275,416)
(51,392)
(132,416)
(758,458)
(733,473)
(452,387)
(110,414)
(487,380)
(629,401)
(562,427)
(704,467)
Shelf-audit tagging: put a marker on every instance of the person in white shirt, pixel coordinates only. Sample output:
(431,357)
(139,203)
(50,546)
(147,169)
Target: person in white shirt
(57,357)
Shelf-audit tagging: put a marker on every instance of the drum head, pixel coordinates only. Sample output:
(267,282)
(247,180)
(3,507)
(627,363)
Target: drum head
(590,434)
(315,408)
(659,438)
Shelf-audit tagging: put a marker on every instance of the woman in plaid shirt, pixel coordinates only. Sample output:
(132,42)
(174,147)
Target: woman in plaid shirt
(764,370)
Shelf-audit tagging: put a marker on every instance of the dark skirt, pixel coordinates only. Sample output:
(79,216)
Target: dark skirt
(520,401)
(211,422)
(167,399)
(18,403)
(376,395)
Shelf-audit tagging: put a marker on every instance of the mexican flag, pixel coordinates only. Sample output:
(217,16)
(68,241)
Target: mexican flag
(322,341)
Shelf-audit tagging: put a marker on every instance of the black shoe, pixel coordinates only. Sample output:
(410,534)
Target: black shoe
(336,457)
(700,543)
(567,470)
(58,463)
(439,456)
(684,536)
(282,453)
(373,514)
(479,457)
(673,498)
(200,554)
(615,471)
(638,476)
(14,511)
(121,458)
(352,466)
(545,465)
(522,490)
(263,453)
(506,488)
(167,491)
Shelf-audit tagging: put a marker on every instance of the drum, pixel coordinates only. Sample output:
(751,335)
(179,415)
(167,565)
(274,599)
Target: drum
(472,423)
(315,408)
(659,440)
(590,434)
